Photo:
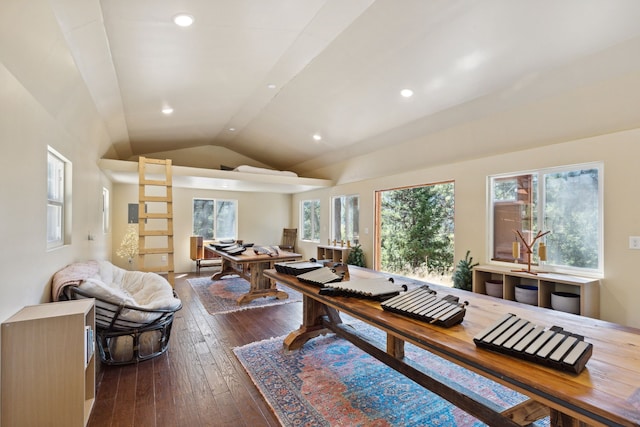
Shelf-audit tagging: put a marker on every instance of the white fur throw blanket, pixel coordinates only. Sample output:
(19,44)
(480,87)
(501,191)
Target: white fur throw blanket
(118,286)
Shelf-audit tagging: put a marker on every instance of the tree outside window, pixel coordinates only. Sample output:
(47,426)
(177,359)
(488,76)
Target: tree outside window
(345,219)
(215,219)
(310,220)
(416,231)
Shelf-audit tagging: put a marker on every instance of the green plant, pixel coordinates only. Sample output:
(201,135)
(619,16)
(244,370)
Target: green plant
(462,276)
(356,256)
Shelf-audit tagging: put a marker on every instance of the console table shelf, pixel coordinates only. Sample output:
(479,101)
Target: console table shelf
(333,253)
(547,283)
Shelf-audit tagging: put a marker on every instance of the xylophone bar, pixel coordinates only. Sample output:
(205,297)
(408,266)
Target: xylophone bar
(552,347)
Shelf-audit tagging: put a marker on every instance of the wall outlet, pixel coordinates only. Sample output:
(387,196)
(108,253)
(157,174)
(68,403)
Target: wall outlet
(634,242)
(164,257)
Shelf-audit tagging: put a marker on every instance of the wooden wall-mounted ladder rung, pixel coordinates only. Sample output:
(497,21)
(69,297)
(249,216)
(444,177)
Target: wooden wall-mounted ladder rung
(155,217)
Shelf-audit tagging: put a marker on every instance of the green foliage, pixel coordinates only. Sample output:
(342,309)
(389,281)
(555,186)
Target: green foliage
(356,256)
(462,276)
(417,229)
(571,213)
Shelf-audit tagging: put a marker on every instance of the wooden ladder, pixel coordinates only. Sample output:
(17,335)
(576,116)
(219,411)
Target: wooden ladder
(155,213)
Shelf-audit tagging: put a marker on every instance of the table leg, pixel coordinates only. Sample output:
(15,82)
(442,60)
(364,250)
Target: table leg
(395,346)
(312,324)
(558,418)
(226,269)
(261,286)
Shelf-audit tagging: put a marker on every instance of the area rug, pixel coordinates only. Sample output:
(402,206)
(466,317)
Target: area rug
(330,382)
(220,296)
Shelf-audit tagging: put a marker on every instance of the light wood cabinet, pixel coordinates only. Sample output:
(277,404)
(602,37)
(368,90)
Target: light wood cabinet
(333,253)
(48,376)
(202,257)
(547,283)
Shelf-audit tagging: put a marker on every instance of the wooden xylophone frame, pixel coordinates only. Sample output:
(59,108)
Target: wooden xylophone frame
(422,304)
(552,346)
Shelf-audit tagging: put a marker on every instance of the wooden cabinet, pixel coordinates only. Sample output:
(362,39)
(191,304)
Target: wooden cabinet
(333,253)
(196,248)
(202,257)
(547,283)
(48,365)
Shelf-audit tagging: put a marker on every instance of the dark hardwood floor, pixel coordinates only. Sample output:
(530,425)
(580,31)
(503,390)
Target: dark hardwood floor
(199,381)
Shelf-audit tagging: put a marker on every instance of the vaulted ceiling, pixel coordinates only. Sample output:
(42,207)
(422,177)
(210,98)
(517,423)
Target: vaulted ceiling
(262,77)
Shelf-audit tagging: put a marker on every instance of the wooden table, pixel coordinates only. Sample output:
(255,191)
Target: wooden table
(250,267)
(606,393)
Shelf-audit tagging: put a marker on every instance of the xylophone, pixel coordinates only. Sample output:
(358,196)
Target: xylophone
(320,276)
(423,304)
(378,289)
(552,347)
(295,268)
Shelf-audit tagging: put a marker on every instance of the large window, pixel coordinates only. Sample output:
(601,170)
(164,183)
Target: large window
(415,232)
(565,201)
(345,219)
(58,192)
(310,220)
(215,219)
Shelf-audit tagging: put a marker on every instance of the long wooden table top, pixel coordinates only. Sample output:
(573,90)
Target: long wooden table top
(607,389)
(249,256)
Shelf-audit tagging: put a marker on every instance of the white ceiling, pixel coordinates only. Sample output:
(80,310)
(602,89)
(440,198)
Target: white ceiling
(338,67)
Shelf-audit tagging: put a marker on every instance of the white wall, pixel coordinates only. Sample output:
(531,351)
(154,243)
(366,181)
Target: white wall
(43,102)
(619,152)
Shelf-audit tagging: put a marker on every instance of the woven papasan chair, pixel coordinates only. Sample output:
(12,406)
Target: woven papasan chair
(134,309)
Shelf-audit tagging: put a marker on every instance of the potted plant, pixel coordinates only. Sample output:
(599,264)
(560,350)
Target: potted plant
(356,256)
(462,276)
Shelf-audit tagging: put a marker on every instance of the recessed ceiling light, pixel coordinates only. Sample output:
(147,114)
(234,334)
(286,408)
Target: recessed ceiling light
(167,110)
(232,129)
(183,20)
(271,86)
(407,93)
(317,137)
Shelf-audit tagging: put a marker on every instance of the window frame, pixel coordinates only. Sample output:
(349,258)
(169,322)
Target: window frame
(540,192)
(355,239)
(315,213)
(59,198)
(214,227)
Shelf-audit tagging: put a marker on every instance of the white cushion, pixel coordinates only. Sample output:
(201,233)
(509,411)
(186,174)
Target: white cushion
(134,288)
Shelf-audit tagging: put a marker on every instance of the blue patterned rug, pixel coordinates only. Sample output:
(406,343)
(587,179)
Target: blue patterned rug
(330,382)
(221,296)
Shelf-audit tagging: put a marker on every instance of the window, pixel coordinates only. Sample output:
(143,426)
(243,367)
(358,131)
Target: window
(310,220)
(415,232)
(215,219)
(105,210)
(345,219)
(58,192)
(565,201)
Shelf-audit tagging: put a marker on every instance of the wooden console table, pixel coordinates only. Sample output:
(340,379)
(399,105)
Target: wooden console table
(250,267)
(606,393)
(588,289)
